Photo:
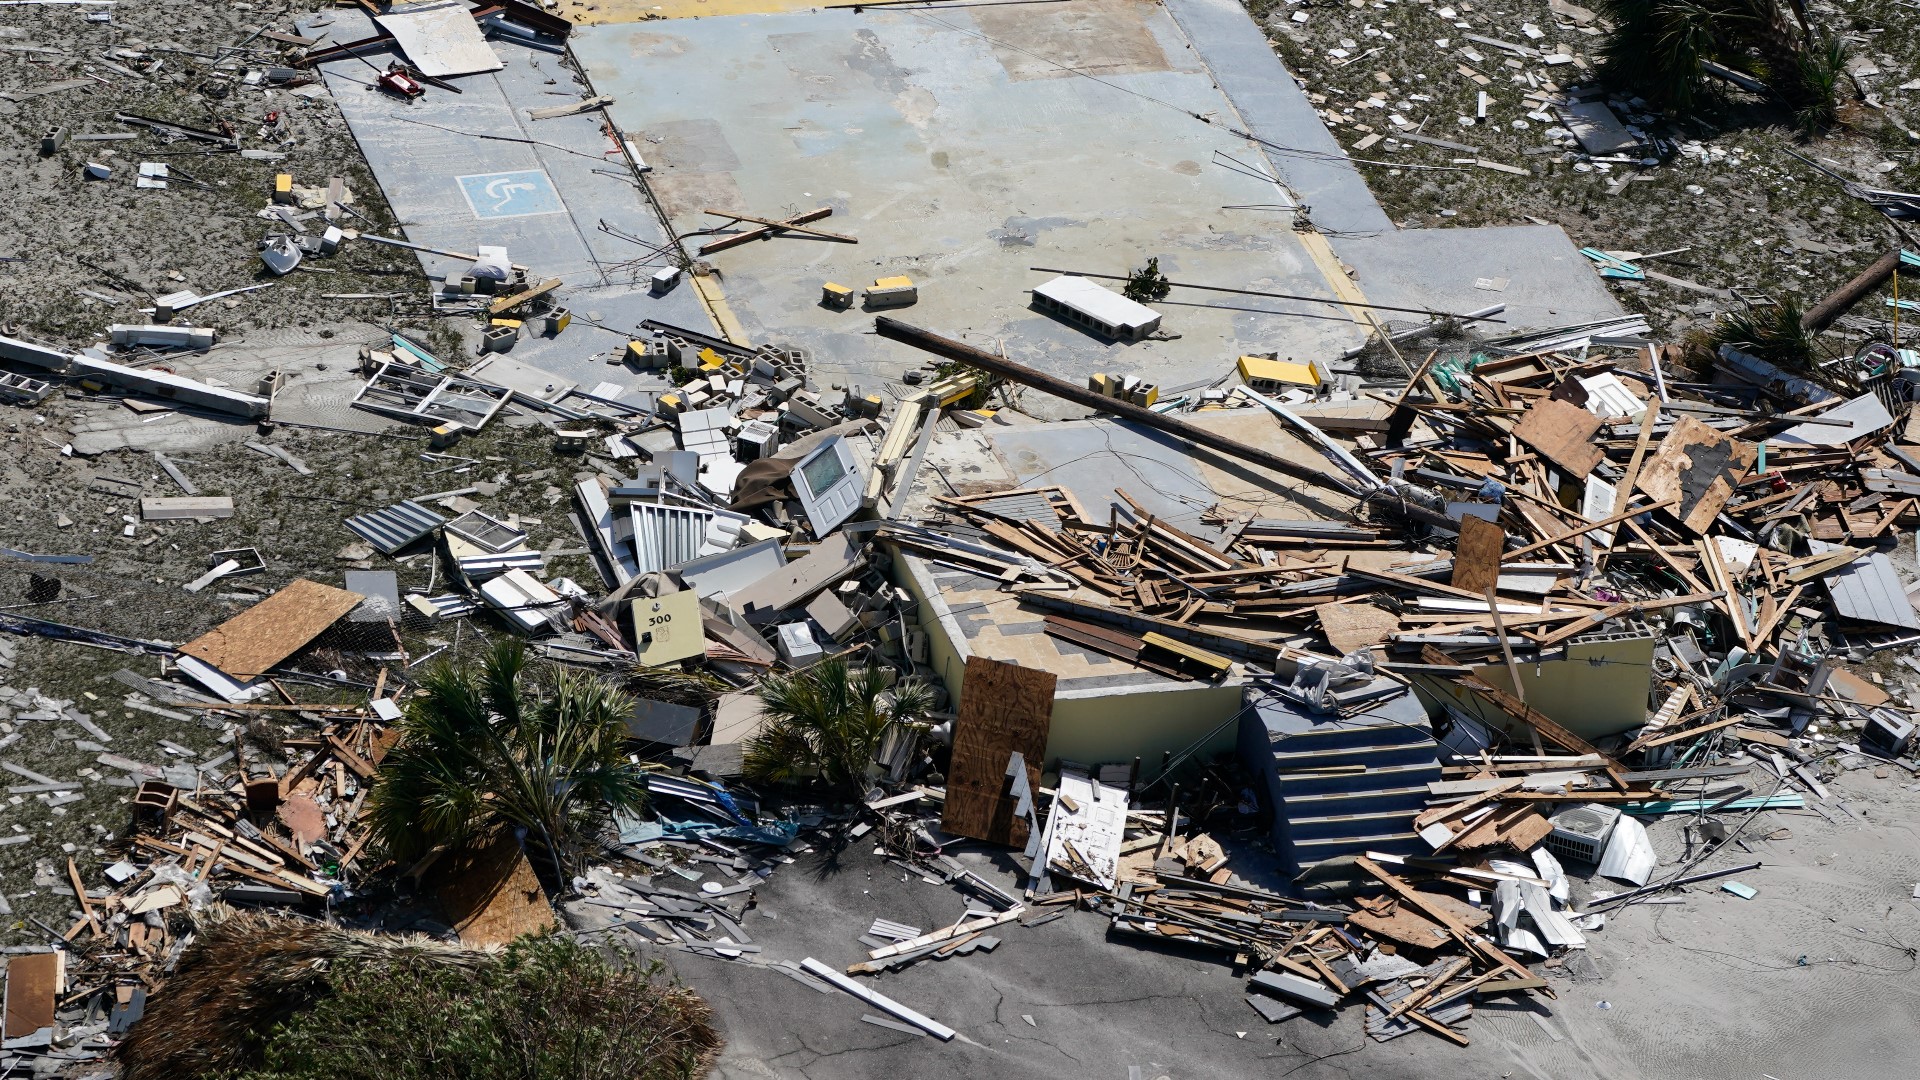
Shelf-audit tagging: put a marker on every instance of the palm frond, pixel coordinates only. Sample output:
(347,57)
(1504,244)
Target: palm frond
(481,750)
(827,720)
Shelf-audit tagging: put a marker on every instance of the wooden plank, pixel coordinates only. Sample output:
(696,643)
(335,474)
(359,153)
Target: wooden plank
(1004,708)
(1587,528)
(1439,914)
(934,937)
(1676,736)
(789,224)
(1521,829)
(1442,813)
(1476,561)
(80,894)
(1563,434)
(762,232)
(1432,987)
(1437,1027)
(508,303)
(252,642)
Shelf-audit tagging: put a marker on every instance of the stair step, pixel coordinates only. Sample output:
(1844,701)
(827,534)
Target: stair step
(1409,800)
(1392,776)
(1346,826)
(1330,736)
(1394,843)
(1381,755)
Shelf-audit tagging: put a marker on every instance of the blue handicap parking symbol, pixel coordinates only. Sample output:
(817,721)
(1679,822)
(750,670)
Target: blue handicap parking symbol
(511,194)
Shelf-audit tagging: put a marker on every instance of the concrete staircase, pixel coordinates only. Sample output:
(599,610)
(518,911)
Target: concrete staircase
(1318,813)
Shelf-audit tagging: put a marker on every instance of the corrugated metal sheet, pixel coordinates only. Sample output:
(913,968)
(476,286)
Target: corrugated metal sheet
(394,528)
(486,566)
(1868,590)
(666,536)
(1022,506)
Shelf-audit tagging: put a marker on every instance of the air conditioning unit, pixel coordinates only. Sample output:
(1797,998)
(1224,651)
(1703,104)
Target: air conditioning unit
(1581,832)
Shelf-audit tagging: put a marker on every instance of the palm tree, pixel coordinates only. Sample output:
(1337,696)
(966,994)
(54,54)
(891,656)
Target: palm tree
(827,721)
(1659,49)
(479,752)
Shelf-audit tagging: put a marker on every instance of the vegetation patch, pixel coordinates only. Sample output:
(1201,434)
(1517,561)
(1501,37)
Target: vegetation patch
(262,997)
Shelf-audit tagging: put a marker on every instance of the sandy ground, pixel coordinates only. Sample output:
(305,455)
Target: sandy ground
(1726,186)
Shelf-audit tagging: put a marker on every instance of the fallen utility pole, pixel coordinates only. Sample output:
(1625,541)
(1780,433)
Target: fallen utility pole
(1841,300)
(1465,317)
(927,341)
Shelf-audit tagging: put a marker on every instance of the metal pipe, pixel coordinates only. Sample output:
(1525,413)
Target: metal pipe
(927,341)
(1841,300)
(1331,301)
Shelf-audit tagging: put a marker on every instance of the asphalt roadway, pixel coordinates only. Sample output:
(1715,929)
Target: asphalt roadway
(1814,977)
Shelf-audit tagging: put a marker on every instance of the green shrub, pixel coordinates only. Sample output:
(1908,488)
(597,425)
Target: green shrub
(547,1009)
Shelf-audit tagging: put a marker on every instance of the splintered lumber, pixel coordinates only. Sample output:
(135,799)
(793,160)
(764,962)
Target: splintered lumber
(1587,528)
(1433,986)
(936,936)
(1526,714)
(1442,813)
(1439,914)
(876,999)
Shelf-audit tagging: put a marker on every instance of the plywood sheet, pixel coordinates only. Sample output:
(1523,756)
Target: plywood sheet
(1697,465)
(440,38)
(33,982)
(1355,626)
(1476,561)
(252,642)
(1004,708)
(1563,434)
(492,896)
(1402,924)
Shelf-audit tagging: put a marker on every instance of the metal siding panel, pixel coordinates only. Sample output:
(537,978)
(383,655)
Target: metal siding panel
(395,527)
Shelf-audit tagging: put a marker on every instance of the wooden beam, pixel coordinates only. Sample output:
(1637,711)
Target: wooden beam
(789,224)
(508,303)
(763,232)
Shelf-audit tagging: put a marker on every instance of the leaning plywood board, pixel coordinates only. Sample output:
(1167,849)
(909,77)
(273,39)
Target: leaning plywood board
(1004,709)
(1476,562)
(440,38)
(492,896)
(252,642)
(1563,434)
(33,983)
(1697,465)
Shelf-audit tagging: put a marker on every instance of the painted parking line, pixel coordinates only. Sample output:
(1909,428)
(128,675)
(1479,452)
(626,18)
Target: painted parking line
(527,193)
